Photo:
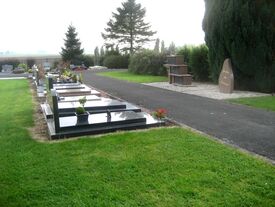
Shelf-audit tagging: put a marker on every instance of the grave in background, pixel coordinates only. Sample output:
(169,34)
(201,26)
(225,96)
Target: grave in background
(178,71)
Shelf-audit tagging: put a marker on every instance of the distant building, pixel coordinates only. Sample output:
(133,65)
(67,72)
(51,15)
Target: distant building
(7,68)
(46,61)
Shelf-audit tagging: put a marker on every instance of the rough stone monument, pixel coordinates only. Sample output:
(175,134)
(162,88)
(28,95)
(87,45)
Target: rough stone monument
(226,79)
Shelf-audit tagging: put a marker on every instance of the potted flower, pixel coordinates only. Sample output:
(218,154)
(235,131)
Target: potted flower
(81,114)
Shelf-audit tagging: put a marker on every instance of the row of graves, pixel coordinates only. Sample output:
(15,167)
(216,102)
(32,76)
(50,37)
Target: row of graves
(75,109)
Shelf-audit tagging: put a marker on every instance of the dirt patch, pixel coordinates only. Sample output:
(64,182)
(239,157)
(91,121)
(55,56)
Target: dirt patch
(39,130)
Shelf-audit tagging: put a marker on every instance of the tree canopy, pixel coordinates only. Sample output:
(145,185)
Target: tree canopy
(72,51)
(244,31)
(127,28)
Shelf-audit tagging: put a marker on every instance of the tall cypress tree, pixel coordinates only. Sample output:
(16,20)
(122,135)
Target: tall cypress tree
(96,56)
(244,31)
(162,49)
(156,48)
(127,28)
(72,51)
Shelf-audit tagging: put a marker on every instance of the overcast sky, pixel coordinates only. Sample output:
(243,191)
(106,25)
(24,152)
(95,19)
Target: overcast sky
(31,26)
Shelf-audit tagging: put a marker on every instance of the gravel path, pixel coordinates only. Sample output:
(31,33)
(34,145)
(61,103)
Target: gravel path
(205,90)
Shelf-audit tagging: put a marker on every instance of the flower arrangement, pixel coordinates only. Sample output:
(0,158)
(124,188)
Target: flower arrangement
(160,113)
(81,109)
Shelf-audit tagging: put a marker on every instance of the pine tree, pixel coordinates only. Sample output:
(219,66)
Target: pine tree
(243,31)
(127,28)
(156,48)
(72,51)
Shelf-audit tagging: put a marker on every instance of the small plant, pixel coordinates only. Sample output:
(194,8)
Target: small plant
(81,109)
(74,78)
(80,78)
(160,113)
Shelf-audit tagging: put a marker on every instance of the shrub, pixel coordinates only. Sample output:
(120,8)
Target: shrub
(185,51)
(147,62)
(198,63)
(88,60)
(116,61)
(23,66)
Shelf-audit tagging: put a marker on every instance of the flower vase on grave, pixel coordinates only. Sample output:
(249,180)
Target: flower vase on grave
(82,118)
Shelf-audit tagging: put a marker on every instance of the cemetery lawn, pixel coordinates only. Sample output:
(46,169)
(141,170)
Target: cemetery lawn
(127,76)
(264,102)
(157,167)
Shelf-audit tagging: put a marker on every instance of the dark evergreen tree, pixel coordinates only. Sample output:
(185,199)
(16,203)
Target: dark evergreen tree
(127,28)
(30,62)
(72,51)
(244,31)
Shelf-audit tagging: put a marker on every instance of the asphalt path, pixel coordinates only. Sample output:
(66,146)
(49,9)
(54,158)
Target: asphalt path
(242,126)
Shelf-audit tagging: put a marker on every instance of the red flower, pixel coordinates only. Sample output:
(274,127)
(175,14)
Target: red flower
(160,113)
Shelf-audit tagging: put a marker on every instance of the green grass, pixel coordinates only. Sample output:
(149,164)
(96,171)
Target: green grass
(127,76)
(264,102)
(158,167)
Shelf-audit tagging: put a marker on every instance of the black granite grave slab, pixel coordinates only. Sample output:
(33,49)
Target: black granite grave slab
(107,115)
(71,87)
(74,92)
(76,98)
(104,104)
(129,107)
(98,124)
(99,120)
(66,84)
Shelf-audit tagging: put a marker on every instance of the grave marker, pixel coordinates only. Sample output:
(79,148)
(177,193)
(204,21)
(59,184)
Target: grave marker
(226,78)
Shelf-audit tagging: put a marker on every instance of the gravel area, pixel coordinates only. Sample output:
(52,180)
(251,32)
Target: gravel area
(205,90)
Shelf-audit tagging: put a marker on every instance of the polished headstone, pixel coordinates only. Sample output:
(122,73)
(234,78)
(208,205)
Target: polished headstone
(103,104)
(74,92)
(125,106)
(101,119)
(76,98)
(64,86)
(226,79)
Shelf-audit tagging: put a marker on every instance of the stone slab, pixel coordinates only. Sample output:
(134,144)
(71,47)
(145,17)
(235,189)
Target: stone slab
(76,98)
(72,131)
(95,120)
(63,87)
(47,111)
(74,92)
(66,84)
(129,107)
(226,78)
(103,104)
(175,59)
